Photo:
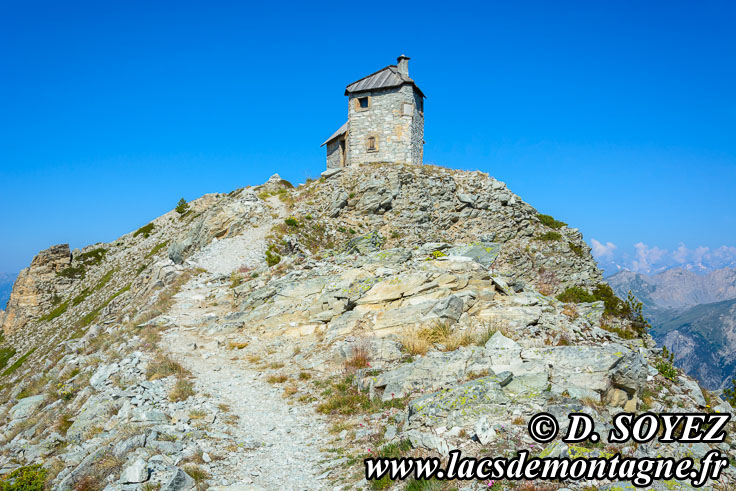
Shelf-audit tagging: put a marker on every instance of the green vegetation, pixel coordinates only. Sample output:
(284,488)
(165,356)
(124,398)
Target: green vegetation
(272,258)
(91,316)
(576,249)
(72,272)
(291,222)
(576,294)
(6,354)
(730,393)
(26,478)
(436,255)
(12,368)
(550,222)
(630,309)
(93,257)
(182,207)
(156,248)
(342,397)
(236,279)
(550,237)
(145,231)
(55,313)
(666,366)
(87,291)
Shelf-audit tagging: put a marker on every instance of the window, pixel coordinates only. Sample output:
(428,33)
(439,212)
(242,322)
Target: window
(371,145)
(363,103)
(407,109)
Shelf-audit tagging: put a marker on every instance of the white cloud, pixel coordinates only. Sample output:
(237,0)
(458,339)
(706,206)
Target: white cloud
(602,251)
(646,259)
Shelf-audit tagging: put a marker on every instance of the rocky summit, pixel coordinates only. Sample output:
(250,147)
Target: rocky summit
(275,336)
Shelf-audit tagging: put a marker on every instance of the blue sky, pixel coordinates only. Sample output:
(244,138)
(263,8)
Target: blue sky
(618,118)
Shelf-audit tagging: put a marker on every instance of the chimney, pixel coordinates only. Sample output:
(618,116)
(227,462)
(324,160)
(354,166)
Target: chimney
(403,65)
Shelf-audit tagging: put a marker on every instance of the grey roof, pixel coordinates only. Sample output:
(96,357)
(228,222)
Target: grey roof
(382,79)
(341,131)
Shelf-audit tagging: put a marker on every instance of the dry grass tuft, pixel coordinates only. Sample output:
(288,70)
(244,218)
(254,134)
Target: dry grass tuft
(278,378)
(183,390)
(413,343)
(360,358)
(237,344)
(163,366)
(571,311)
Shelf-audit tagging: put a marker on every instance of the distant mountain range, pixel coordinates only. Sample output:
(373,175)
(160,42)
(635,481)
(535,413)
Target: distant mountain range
(6,285)
(692,314)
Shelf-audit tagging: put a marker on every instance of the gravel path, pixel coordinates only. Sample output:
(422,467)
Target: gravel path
(222,257)
(281,442)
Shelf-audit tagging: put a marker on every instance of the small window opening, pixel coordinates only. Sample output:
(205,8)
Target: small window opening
(363,102)
(371,144)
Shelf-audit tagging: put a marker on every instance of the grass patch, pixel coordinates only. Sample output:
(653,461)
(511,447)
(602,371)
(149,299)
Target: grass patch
(291,222)
(93,257)
(60,309)
(183,390)
(12,368)
(87,292)
(26,478)
(576,249)
(91,316)
(620,331)
(344,398)
(550,237)
(279,378)
(550,222)
(358,359)
(145,231)
(73,272)
(272,258)
(418,341)
(163,366)
(197,473)
(156,248)
(6,354)
(576,294)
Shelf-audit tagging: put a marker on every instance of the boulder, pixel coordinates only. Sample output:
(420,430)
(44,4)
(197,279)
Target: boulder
(629,373)
(364,244)
(460,405)
(27,406)
(484,431)
(424,439)
(179,481)
(484,253)
(135,473)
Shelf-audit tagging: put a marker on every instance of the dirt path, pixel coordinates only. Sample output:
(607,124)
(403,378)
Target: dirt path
(281,441)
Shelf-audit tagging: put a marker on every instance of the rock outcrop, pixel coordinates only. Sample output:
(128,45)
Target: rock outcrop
(37,287)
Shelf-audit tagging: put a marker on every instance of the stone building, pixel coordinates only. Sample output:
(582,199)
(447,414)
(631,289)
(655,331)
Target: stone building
(385,120)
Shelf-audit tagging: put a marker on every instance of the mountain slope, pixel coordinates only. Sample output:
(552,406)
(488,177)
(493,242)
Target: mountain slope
(692,315)
(703,339)
(276,336)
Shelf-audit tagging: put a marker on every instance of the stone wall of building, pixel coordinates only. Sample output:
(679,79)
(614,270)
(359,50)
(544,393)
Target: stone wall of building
(334,155)
(417,131)
(388,121)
